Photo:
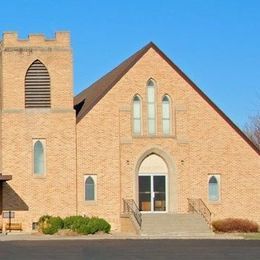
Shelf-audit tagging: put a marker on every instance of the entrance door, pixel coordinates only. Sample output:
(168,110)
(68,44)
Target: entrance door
(152,193)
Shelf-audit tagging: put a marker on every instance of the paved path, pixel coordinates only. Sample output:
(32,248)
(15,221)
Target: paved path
(131,249)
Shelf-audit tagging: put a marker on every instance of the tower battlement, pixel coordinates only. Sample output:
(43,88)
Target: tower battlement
(10,39)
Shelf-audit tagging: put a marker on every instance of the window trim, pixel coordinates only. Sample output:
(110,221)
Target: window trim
(170,115)
(94,177)
(43,141)
(218,178)
(155,107)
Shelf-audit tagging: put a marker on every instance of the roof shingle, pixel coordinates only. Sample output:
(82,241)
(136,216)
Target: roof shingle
(89,97)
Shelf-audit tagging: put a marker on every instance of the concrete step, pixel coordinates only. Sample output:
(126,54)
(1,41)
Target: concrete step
(164,223)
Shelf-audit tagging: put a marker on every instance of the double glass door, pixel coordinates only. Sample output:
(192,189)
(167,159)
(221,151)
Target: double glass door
(152,193)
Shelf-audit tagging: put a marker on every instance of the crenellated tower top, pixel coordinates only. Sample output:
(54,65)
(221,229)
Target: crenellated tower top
(11,40)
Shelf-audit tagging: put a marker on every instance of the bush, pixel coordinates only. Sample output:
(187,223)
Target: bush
(42,222)
(44,218)
(75,222)
(102,224)
(85,225)
(94,225)
(235,225)
(51,225)
(82,225)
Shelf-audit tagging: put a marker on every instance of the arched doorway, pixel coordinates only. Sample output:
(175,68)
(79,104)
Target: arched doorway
(153,184)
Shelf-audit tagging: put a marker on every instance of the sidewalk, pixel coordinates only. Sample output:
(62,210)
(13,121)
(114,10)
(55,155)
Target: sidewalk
(14,236)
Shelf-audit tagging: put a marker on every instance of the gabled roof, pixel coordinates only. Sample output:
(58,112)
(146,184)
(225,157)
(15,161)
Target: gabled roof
(89,97)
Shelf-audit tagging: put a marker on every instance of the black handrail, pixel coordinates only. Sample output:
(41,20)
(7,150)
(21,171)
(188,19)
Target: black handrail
(198,205)
(131,208)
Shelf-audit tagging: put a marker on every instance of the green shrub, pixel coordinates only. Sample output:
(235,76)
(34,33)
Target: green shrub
(84,229)
(44,218)
(235,225)
(75,222)
(82,225)
(103,225)
(85,225)
(42,222)
(51,225)
(93,225)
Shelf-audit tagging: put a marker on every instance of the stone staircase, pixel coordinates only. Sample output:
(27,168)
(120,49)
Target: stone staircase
(166,224)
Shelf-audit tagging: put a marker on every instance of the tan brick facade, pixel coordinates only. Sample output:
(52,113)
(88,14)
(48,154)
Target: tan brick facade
(202,143)
(54,193)
(101,144)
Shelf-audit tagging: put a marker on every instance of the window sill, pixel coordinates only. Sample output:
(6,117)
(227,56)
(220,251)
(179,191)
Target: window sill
(214,202)
(90,202)
(39,177)
(37,109)
(154,136)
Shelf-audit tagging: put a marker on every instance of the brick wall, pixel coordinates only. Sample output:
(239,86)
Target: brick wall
(202,143)
(55,193)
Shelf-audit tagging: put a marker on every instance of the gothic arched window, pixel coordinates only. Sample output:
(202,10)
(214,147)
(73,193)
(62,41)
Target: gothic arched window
(166,115)
(137,115)
(89,188)
(213,188)
(151,110)
(39,160)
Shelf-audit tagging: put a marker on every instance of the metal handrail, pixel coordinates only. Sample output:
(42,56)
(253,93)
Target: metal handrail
(131,208)
(198,206)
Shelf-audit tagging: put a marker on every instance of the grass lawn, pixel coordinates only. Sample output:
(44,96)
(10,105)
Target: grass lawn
(251,236)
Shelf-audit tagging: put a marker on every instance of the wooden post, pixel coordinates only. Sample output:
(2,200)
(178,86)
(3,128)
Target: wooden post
(1,208)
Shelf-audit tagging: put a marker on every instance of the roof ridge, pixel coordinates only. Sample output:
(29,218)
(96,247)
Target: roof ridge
(99,89)
(147,46)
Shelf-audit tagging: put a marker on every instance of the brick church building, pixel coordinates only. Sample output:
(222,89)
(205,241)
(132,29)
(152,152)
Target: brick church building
(142,140)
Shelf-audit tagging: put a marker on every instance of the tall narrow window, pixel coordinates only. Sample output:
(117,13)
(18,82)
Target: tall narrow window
(151,107)
(137,115)
(213,188)
(89,189)
(39,160)
(37,86)
(166,114)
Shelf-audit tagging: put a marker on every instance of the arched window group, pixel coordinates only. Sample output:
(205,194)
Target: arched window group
(151,111)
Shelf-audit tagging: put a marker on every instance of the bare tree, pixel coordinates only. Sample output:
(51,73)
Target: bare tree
(252,129)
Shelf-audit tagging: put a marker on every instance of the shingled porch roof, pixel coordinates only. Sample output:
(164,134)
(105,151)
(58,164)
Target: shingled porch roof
(5,177)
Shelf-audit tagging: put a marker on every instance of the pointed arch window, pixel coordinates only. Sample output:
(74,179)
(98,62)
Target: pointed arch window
(137,115)
(213,187)
(39,157)
(166,115)
(37,86)
(90,193)
(151,107)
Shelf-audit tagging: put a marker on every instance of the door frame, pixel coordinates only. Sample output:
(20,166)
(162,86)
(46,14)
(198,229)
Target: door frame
(152,202)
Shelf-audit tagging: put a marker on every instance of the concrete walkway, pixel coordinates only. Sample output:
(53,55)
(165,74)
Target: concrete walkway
(36,236)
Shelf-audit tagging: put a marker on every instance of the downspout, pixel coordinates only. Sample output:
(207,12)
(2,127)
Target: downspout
(120,177)
(76,166)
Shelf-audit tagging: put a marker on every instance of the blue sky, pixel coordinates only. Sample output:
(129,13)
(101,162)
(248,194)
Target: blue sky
(215,42)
